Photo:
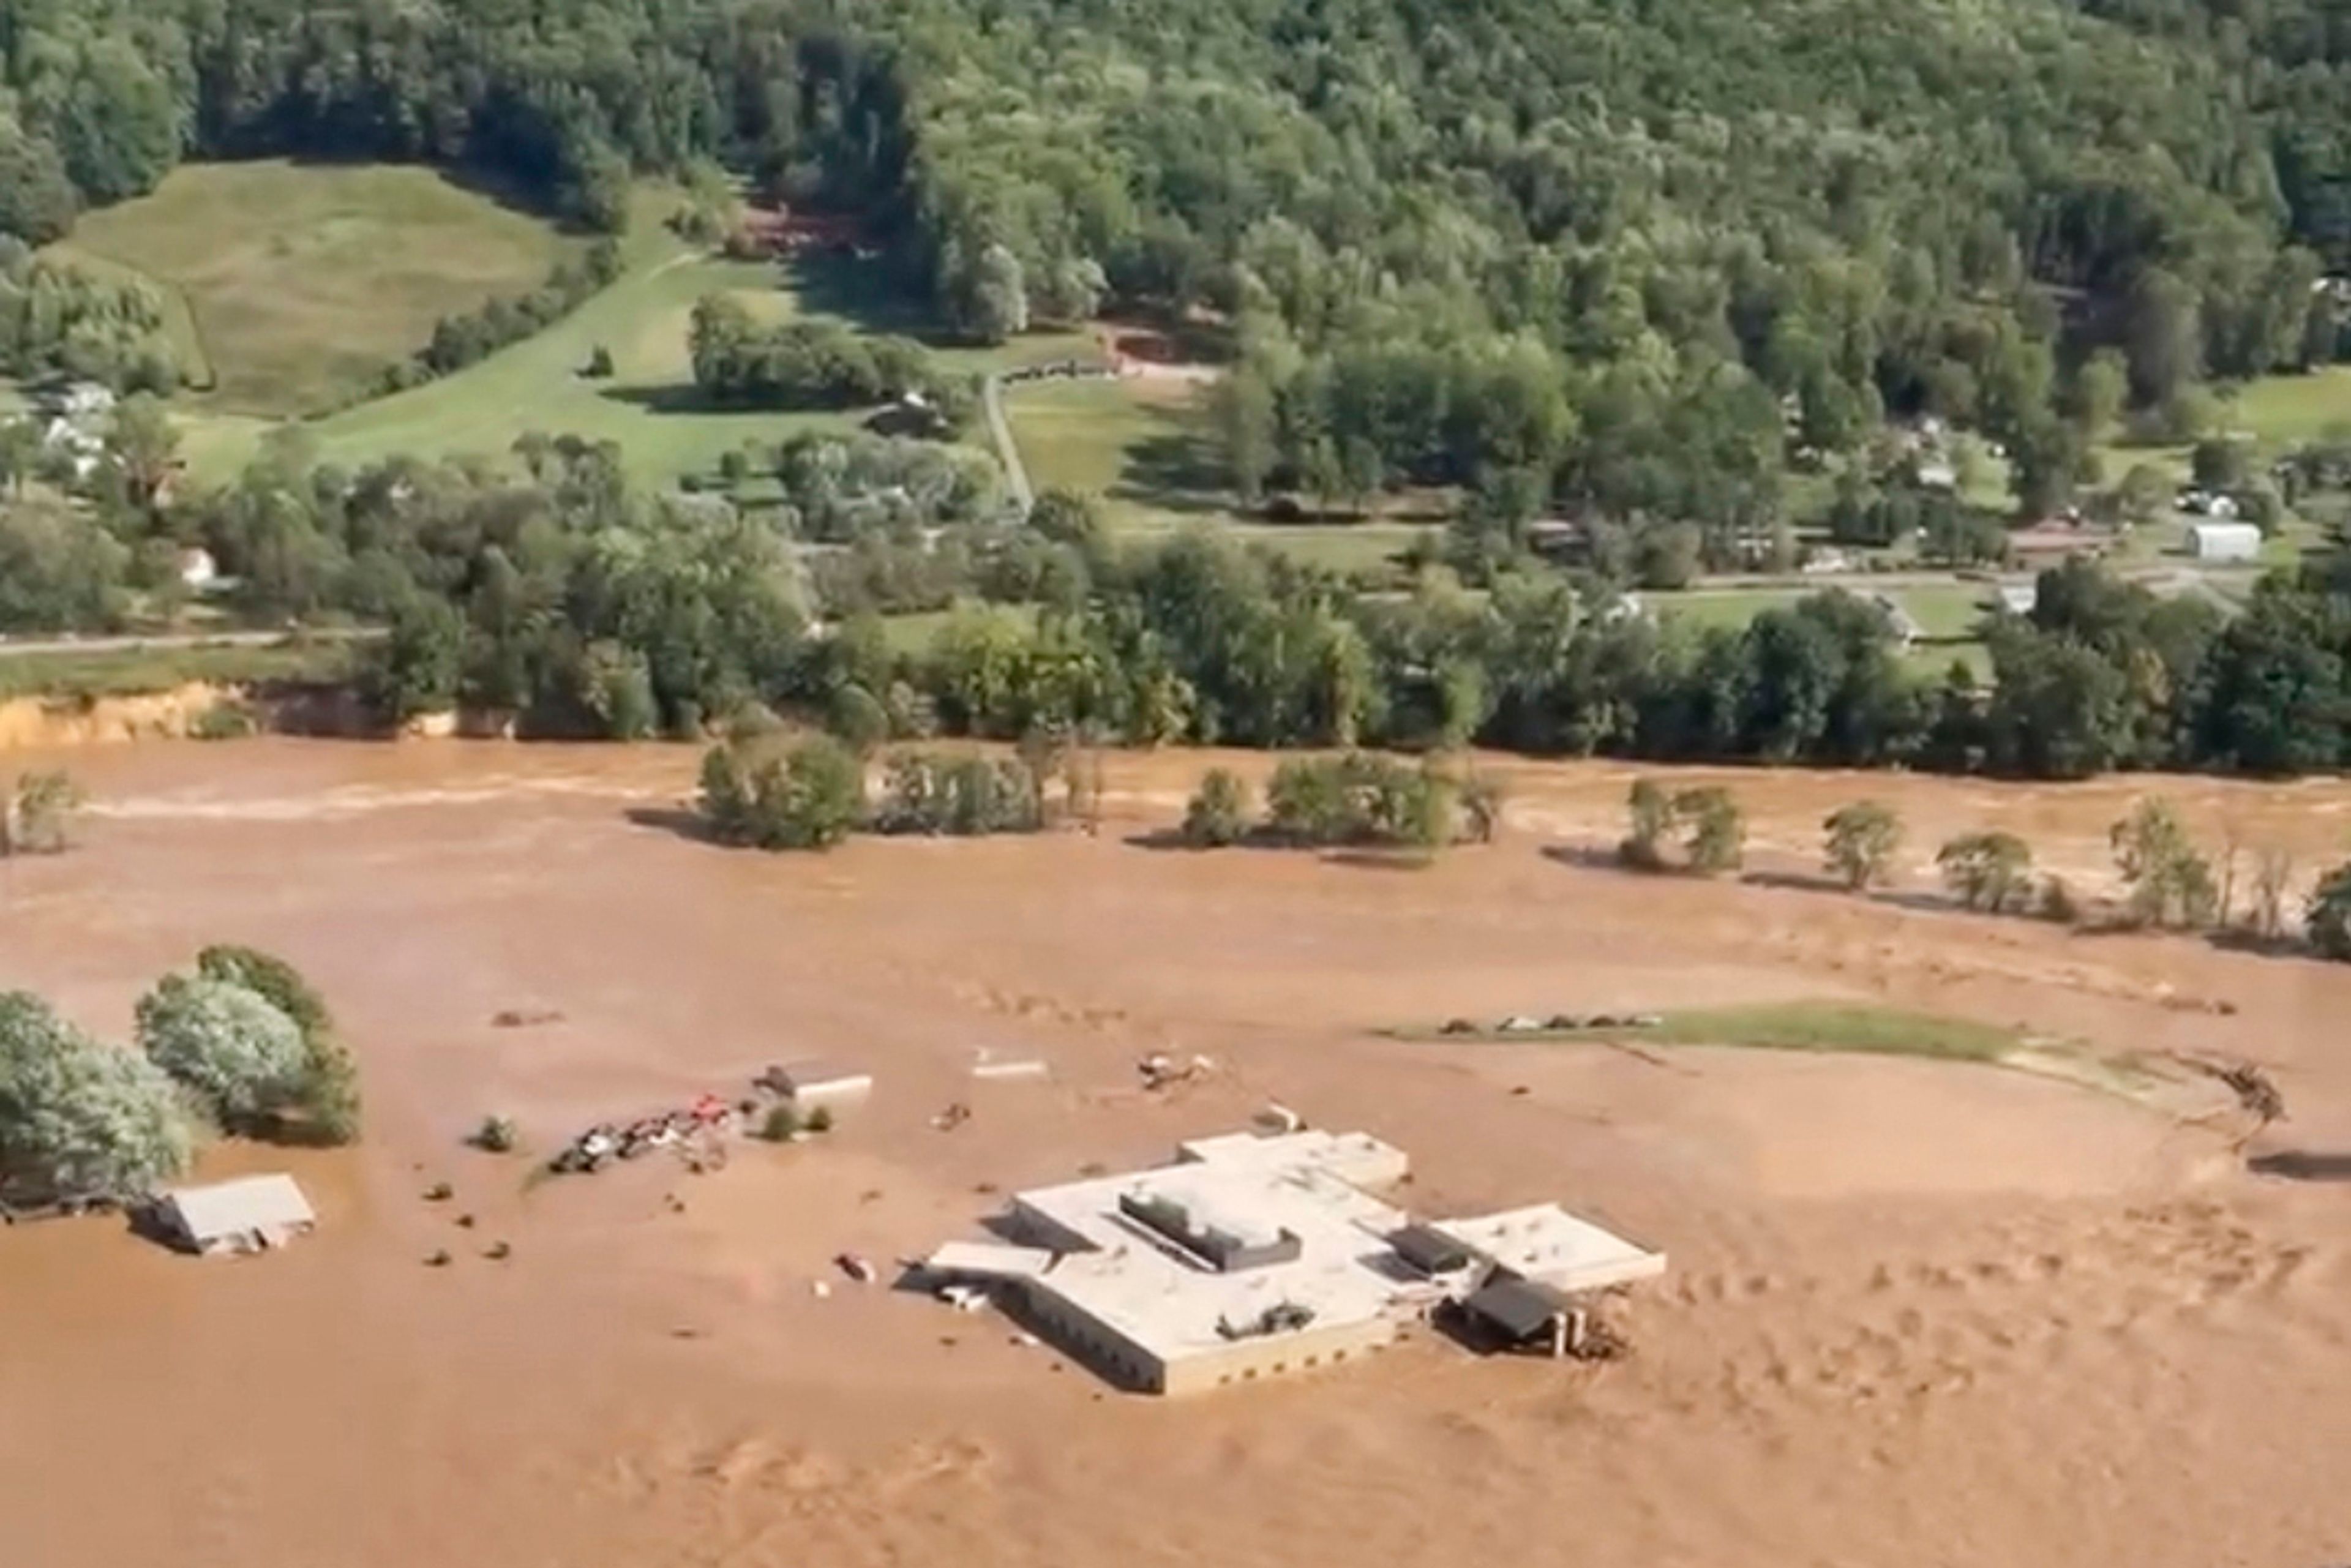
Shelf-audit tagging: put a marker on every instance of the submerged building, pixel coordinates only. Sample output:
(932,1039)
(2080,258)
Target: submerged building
(1256,1255)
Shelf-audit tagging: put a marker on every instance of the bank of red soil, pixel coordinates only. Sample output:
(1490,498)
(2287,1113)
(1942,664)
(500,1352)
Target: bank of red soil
(1916,1312)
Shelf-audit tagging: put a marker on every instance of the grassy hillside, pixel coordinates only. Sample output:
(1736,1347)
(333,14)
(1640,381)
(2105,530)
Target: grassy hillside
(290,287)
(1143,449)
(648,405)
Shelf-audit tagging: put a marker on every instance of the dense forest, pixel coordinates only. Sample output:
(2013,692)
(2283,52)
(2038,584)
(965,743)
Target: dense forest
(1630,256)
(1639,261)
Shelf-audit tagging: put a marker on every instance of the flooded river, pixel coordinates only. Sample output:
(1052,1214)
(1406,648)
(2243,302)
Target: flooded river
(1916,1312)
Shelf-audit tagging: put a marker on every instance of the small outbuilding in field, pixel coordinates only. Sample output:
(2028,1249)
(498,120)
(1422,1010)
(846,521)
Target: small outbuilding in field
(251,1213)
(2224,541)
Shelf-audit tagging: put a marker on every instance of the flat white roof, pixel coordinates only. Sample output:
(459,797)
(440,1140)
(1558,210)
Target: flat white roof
(233,1207)
(989,1260)
(1545,1243)
(1172,1304)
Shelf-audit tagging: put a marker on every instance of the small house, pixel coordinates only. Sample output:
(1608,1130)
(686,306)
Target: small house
(2224,541)
(251,1213)
(2019,598)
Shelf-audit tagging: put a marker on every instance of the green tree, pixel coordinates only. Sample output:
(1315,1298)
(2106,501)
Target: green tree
(2100,388)
(1991,871)
(37,200)
(1861,841)
(1718,830)
(2163,336)
(1652,814)
(2145,494)
(2222,462)
(1248,426)
(2171,883)
(2328,921)
(417,667)
(79,1119)
(1482,796)
(37,818)
(1666,556)
(119,128)
(1217,813)
(998,306)
(242,1058)
(810,796)
(329,1107)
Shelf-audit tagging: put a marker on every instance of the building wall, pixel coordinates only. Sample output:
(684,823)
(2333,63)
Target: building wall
(1276,1355)
(1119,1359)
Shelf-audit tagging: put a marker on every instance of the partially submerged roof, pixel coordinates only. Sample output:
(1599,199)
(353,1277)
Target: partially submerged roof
(1430,1250)
(811,1074)
(1545,1243)
(237,1207)
(1327,1236)
(987,1260)
(1520,1308)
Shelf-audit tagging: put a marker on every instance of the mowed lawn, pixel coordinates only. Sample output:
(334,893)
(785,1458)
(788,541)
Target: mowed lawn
(2284,411)
(1140,446)
(1950,615)
(290,287)
(648,405)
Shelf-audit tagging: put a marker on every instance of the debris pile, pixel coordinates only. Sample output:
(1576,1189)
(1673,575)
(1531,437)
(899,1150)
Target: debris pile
(1161,1071)
(694,1131)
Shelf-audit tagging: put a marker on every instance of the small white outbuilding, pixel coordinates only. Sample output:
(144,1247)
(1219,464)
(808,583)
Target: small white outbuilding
(251,1213)
(2224,541)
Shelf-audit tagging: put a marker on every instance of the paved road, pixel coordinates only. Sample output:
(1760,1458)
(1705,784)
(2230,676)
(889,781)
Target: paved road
(16,648)
(991,397)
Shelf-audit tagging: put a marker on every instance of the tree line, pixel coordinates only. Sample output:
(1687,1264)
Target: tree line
(558,101)
(2168,881)
(804,364)
(543,586)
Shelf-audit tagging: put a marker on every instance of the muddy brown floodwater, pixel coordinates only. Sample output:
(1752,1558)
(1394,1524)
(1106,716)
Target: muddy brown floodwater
(1917,1313)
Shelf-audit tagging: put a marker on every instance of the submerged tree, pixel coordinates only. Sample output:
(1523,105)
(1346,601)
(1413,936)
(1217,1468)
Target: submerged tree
(2329,919)
(1990,872)
(2171,883)
(37,818)
(1651,814)
(328,1105)
(79,1119)
(1718,830)
(1861,841)
(1217,813)
(240,1055)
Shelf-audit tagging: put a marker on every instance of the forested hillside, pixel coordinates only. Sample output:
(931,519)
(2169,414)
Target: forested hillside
(1598,249)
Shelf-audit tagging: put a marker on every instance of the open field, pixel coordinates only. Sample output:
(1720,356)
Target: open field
(291,285)
(2282,411)
(1141,446)
(648,405)
(1908,1299)
(125,672)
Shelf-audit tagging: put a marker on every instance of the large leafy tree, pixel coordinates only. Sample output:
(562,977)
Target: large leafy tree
(78,1118)
(240,1055)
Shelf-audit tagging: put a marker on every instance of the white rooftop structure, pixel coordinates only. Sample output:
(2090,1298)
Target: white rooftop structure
(985,1260)
(1255,1254)
(810,1082)
(1551,1246)
(250,1214)
(2224,541)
